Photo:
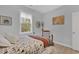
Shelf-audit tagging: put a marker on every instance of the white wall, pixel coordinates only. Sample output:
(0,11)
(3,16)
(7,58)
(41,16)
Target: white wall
(14,12)
(62,33)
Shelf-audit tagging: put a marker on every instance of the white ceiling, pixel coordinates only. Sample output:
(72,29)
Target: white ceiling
(43,8)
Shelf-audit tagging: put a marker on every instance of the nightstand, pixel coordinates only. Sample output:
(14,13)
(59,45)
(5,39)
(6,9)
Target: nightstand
(46,33)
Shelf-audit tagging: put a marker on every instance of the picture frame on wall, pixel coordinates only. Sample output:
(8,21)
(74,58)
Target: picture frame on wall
(58,20)
(38,24)
(5,20)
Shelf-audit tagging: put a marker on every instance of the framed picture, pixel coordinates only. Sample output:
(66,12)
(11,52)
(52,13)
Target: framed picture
(38,24)
(58,20)
(5,20)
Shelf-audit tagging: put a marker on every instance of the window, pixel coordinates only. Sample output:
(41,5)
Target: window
(25,23)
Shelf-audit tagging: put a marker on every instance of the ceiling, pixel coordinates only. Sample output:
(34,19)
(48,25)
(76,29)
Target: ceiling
(43,8)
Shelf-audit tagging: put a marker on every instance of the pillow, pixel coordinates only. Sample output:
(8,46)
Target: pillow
(11,38)
(4,42)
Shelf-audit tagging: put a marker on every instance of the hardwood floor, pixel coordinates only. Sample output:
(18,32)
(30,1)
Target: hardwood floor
(65,50)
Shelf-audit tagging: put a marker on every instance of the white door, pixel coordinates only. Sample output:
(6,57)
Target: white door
(75,31)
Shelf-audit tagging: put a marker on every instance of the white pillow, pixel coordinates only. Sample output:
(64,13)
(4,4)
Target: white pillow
(11,38)
(4,42)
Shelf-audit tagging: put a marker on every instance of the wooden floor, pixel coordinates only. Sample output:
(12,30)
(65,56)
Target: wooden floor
(65,50)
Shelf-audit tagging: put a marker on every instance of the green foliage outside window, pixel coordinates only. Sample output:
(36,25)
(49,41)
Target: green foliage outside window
(25,25)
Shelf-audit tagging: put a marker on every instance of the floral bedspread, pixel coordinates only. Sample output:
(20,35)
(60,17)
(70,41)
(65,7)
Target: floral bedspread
(24,46)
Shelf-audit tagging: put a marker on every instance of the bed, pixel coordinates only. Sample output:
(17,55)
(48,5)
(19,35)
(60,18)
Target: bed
(22,44)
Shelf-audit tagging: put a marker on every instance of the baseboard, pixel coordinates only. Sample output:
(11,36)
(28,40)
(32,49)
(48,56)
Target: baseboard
(62,44)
